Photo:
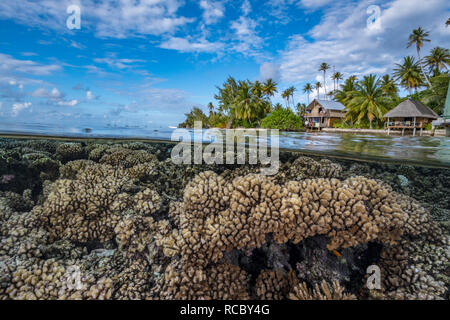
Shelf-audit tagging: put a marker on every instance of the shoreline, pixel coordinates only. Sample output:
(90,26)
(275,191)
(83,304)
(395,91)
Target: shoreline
(438,132)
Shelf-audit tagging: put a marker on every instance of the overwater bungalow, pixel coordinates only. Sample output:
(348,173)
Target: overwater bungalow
(323,113)
(409,115)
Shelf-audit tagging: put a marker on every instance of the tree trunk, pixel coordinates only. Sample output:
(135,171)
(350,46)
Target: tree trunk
(423,72)
(370,121)
(325,85)
(230,122)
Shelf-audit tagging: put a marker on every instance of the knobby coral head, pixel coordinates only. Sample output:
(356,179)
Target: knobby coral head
(7,178)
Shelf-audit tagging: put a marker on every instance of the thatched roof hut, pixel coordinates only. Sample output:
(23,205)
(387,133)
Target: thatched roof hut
(410,109)
(410,114)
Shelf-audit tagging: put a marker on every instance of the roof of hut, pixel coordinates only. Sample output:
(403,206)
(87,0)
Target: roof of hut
(411,108)
(329,105)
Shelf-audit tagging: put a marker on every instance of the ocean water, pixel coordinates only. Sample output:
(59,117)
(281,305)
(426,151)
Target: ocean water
(107,214)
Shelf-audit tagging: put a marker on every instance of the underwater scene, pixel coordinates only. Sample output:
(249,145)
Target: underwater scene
(222,158)
(118,219)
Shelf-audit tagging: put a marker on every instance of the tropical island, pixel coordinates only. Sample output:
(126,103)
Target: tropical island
(356,103)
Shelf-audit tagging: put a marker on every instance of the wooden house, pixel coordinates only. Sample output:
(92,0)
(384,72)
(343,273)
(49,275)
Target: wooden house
(323,113)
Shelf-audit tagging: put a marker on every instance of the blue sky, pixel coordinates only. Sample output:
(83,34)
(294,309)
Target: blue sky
(147,62)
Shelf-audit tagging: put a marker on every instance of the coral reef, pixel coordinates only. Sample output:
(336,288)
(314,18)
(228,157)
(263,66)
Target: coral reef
(70,151)
(119,220)
(218,216)
(89,207)
(320,292)
(414,270)
(305,167)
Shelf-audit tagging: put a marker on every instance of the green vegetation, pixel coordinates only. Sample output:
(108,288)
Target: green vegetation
(248,104)
(283,119)
(196,114)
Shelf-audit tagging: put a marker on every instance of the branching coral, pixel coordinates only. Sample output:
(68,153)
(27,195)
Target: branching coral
(219,216)
(322,292)
(188,281)
(409,270)
(89,207)
(305,167)
(70,151)
(100,231)
(274,284)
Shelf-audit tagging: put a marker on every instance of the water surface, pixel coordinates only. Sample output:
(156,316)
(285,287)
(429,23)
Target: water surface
(430,151)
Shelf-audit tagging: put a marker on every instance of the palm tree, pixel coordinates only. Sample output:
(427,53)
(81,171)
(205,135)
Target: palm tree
(301,107)
(409,74)
(324,67)
(418,37)
(437,60)
(367,101)
(344,95)
(336,77)
(292,89)
(269,88)
(308,89)
(210,108)
(248,103)
(318,86)
(226,94)
(388,86)
(277,106)
(286,94)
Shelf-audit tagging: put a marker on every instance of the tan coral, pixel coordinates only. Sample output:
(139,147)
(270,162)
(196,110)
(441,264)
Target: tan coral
(305,167)
(403,271)
(188,281)
(90,206)
(217,216)
(320,292)
(274,284)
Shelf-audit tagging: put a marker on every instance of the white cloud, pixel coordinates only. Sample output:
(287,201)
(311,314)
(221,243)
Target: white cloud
(28,54)
(118,63)
(17,107)
(89,95)
(212,10)
(314,4)
(343,40)
(55,94)
(246,7)
(109,18)
(10,64)
(70,103)
(186,45)
(77,45)
(247,39)
(269,71)
(40,93)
